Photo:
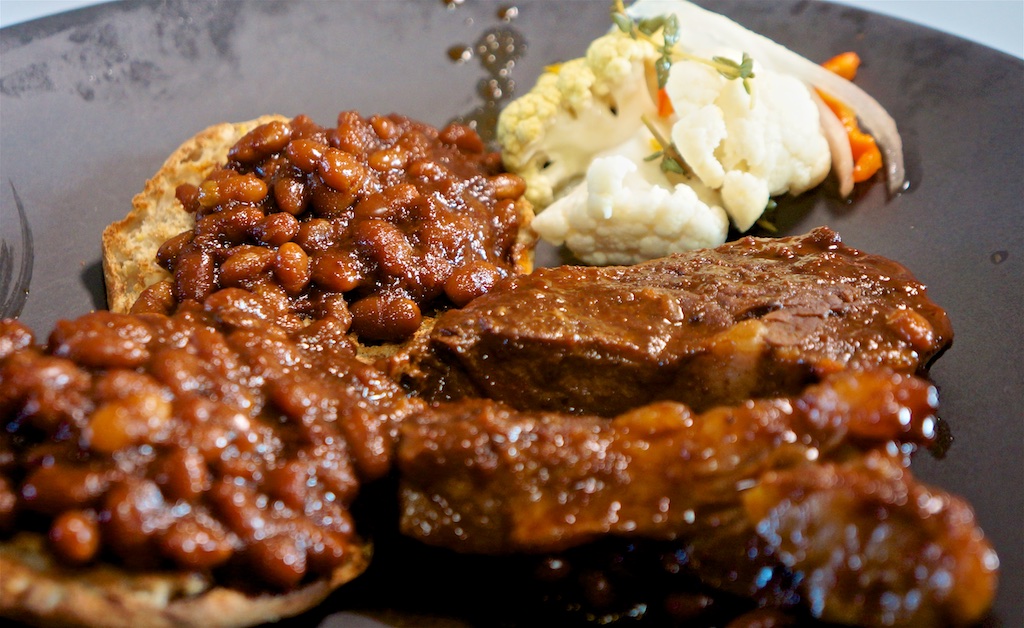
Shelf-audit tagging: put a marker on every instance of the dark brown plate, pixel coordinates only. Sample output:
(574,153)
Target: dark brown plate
(93,100)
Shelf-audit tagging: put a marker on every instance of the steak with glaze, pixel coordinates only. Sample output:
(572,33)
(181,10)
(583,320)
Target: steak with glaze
(757,317)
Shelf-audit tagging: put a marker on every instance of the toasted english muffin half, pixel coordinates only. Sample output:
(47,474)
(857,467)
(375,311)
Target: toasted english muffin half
(37,589)
(130,244)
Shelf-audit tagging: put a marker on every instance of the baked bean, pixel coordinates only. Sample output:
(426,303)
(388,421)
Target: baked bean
(290,195)
(288,483)
(233,225)
(280,560)
(316,235)
(385,243)
(337,271)
(239,309)
(335,472)
(51,391)
(389,158)
(102,339)
(342,171)
(390,203)
(470,281)
(275,299)
(331,204)
(353,134)
(123,422)
(507,186)
(246,188)
(197,542)
(384,127)
(156,299)
(385,318)
(183,474)
(188,195)
(333,306)
(261,141)
(75,537)
(330,331)
(304,128)
(14,336)
(306,155)
(122,383)
(167,254)
(913,328)
(427,171)
(194,276)
(276,229)
(133,510)
(328,547)
(506,221)
(245,266)
(54,489)
(463,137)
(291,268)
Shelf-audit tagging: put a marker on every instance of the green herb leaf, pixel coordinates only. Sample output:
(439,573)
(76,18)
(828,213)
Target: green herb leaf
(671,165)
(661,68)
(671,31)
(624,23)
(654,155)
(650,25)
(747,67)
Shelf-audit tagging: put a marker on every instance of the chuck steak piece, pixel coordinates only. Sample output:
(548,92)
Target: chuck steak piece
(815,484)
(752,318)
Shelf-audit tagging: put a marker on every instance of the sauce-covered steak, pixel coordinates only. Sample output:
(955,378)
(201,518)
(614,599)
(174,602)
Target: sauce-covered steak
(815,485)
(752,318)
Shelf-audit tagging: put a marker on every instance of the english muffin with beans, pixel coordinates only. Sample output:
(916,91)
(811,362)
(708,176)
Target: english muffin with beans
(376,222)
(170,469)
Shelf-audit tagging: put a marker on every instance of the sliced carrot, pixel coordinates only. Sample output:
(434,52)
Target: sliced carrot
(867,158)
(844,64)
(665,108)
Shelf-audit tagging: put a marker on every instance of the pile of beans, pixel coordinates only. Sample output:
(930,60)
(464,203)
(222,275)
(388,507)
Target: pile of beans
(211,440)
(373,223)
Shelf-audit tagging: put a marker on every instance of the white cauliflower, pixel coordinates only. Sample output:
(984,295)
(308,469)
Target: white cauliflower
(618,216)
(576,110)
(748,146)
(587,118)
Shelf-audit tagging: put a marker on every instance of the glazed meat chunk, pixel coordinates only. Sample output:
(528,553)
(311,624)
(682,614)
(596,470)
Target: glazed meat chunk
(814,485)
(753,318)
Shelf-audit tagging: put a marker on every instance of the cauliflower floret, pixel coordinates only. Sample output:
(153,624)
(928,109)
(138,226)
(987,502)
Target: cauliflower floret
(617,216)
(750,146)
(580,108)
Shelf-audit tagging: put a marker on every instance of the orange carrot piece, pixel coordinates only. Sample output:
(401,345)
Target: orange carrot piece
(844,64)
(867,158)
(665,108)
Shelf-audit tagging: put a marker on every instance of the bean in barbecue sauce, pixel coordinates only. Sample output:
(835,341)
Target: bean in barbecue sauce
(374,223)
(214,439)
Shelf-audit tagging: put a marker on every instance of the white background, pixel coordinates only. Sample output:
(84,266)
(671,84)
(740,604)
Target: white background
(995,23)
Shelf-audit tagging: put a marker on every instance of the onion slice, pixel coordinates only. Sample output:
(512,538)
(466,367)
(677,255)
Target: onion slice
(838,144)
(702,29)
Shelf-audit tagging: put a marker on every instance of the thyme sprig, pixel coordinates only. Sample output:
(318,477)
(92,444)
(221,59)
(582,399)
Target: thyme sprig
(671,160)
(646,28)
